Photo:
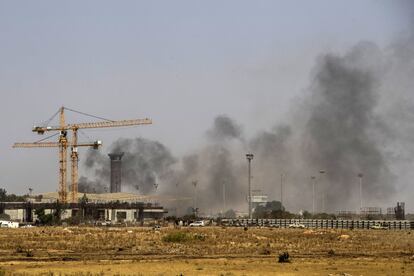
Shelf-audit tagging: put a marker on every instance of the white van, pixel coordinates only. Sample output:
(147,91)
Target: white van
(199,223)
(9,224)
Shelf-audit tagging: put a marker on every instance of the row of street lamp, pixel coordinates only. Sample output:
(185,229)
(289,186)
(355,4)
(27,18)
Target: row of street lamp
(249,157)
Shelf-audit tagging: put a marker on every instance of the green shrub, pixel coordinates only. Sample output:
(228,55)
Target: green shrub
(176,237)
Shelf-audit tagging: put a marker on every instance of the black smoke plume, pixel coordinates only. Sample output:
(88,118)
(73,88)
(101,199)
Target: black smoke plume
(339,134)
(224,129)
(145,163)
(347,123)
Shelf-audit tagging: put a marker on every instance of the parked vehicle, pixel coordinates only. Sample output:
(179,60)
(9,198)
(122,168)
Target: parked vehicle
(297,225)
(9,224)
(379,226)
(27,226)
(274,226)
(199,223)
(104,223)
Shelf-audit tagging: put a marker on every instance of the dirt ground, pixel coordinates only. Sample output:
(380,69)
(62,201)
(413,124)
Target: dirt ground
(204,251)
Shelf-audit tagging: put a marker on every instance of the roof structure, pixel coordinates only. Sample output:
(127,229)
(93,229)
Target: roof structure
(108,197)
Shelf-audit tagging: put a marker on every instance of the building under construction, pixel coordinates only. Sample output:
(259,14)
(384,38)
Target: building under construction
(115,207)
(370,211)
(65,142)
(397,212)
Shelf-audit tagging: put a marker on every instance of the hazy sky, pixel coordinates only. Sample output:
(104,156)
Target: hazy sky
(180,63)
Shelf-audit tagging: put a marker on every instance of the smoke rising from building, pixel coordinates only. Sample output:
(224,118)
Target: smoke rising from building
(341,126)
(143,164)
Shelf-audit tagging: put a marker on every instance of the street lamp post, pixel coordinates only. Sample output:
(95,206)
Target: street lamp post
(282,176)
(224,198)
(360,175)
(323,192)
(195,196)
(313,180)
(249,157)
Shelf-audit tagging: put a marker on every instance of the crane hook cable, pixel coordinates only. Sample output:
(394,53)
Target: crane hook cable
(85,135)
(45,123)
(86,114)
(41,140)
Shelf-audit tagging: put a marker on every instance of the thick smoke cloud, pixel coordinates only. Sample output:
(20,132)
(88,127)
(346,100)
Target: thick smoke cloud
(214,168)
(144,163)
(273,156)
(224,129)
(347,123)
(94,187)
(339,133)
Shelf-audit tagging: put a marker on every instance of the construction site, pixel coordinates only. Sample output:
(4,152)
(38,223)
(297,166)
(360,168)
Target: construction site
(113,202)
(113,206)
(207,137)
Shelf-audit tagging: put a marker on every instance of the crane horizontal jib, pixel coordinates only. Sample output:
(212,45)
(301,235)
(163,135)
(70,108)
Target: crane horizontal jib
(103,124)
(55,145)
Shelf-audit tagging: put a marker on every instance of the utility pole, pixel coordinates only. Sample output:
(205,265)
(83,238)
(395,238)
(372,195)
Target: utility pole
(360,175)
(249,157)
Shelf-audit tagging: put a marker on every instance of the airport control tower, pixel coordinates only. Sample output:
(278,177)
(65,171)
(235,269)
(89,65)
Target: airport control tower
(116,167)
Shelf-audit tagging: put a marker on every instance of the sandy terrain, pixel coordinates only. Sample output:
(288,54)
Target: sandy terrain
(204,251)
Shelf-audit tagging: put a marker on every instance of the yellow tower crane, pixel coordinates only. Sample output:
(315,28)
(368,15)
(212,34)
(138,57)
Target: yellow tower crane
(63,144)
(74,145)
